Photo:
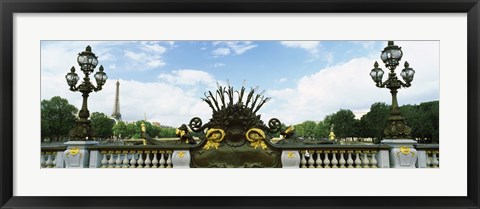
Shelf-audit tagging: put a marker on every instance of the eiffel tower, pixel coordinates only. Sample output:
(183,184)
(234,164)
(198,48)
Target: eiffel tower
(116,108)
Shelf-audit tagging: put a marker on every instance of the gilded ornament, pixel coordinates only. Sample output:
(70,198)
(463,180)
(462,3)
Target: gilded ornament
(256,136)
(290,154)
(405,150)
(74,151)
(181,154)
(214,137)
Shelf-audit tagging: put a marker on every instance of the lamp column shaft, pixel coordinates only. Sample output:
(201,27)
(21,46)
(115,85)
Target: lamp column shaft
(395,110)
(84,113)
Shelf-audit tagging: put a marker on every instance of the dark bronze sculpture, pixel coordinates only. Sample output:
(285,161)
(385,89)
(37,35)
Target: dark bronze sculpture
(235,136)
(184,134)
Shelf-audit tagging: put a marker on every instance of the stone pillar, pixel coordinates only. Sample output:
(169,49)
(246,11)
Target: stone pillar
(422,159)
(290,159)
(59,160)
(383,159)
(181,159)
(95,159)
(77,154)
(402,152)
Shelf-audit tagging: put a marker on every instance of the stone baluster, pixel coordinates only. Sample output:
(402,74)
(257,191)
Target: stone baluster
(334,159)
(326,161)
(104,160)
(358,162)
(125,159)
(169,160)
(365,160)
(54,162)
(49,162)
(118,162)
(342,159)
(111,161)
(303,162)
(43,163)
(133,161)
(147,159)
(350,160)
(319,159)
(155,160)
(373,161)
(429,162)
(162,160)
(435,161)
(140,159)
(311,162)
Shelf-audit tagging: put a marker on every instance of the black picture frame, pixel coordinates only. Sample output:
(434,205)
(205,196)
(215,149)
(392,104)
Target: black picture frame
(10,7)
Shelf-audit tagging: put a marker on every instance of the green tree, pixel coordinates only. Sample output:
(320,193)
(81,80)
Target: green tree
(102,125)
(309,129)
(373,123)
(120,130)
(322,129)
(300,130)
(423,119)
(133,131)
(57,118)
(344,124)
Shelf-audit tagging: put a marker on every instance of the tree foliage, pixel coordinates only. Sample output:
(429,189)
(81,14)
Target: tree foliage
(133,129)
(102,125)
(423,119)
(373,123)
(57,118)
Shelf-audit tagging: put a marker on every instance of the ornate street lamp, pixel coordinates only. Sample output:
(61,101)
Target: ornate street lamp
(87,61)
(391,56)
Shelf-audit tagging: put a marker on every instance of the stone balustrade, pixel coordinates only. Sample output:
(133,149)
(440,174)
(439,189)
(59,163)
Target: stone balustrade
(339,159)
(134,158)
(339,156)
(52,157)
(293,156)
(428,156)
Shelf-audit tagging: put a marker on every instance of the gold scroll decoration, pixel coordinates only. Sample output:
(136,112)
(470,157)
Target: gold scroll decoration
(256,138)
(214,137)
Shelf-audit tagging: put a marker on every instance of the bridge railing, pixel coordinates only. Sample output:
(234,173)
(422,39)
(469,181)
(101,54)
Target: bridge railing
(337,156)
(52,157)
(428,156)
(293,156)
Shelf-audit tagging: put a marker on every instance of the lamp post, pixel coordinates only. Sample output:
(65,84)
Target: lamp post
(391,56)
(87,61)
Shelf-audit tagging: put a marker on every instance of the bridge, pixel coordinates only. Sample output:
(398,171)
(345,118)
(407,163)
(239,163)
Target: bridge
(236,137)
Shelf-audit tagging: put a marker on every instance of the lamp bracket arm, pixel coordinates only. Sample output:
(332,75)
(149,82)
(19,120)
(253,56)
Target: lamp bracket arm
(382,84)
(73,88)
(405,85)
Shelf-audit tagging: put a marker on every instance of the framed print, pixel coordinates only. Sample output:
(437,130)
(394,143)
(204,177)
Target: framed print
(128,90)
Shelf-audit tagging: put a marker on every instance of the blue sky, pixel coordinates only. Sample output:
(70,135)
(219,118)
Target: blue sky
(306,79)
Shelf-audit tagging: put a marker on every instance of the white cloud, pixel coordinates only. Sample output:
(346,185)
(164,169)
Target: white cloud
(221,52)
(188,77)
(153,46)
(218,65)
(349,86)
(141,58)
(307,45)
(312,47)
(281,80)
(235,47)
(162,102)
